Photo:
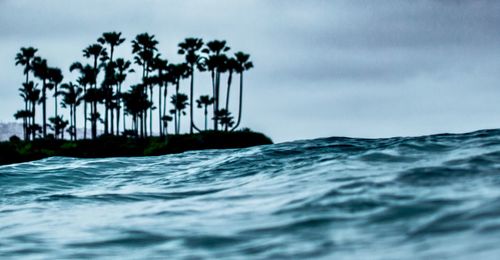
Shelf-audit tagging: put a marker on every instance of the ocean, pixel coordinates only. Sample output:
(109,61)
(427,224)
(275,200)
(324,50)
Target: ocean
(428,197)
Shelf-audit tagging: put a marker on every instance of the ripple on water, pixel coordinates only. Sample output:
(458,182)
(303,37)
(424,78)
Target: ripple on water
(335,198)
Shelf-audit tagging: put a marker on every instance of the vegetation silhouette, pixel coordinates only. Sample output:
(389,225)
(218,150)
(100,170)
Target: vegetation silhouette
(121,110)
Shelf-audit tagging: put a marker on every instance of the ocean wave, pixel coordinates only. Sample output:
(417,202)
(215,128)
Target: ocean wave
(344,198)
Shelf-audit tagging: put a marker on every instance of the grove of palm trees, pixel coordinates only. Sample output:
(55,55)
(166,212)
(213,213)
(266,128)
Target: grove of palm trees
(101,99)
(152,107)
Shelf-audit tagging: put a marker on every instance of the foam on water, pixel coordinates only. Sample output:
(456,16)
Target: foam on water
(398,198)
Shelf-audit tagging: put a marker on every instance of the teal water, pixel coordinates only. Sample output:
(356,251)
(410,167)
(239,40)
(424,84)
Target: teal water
(430,197)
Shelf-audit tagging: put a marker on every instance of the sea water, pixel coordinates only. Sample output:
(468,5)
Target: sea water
(429,197)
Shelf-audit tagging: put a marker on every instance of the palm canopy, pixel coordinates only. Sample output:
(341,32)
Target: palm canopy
(40,68)
(112,38)
(216,47)
(243,62)
(55,75)
(189,48)
(94,50)
(144,41)
(178,72)
(72,94)
(180,101)
(122,66)
(204,101)
(25,56)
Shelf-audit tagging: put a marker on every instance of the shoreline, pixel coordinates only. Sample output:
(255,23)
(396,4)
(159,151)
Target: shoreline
(120,146)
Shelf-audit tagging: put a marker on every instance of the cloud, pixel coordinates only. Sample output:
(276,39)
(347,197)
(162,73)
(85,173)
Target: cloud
(365,61)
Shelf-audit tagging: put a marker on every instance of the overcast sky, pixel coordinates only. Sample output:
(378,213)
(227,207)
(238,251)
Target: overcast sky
(322,68)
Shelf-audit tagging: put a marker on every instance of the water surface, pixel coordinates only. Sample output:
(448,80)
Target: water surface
(336,198)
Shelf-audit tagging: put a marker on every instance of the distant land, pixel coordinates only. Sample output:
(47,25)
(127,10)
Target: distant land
(9,129)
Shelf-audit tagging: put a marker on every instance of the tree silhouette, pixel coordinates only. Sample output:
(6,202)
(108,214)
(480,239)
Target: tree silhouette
(95,52)
(25,58)
(215,63)
(112,95)
(177,72)
(33,95)
(190,48)
(164,120)
(25,92)
(86,79)
(204,102)
(231,66)
(123,67)
(144,48)
(55,77)
(58,124)
(224,118)
(72,98)
(136,103)
(41,71)
(244,64)
(161,79)
(113,39)
(180,102)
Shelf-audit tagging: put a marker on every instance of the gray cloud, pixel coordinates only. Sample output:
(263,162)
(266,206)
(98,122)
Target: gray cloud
(357,68)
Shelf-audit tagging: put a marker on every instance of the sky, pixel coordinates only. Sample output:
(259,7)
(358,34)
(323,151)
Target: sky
(358,68)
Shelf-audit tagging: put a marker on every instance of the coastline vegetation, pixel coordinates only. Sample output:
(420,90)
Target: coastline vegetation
(112,110)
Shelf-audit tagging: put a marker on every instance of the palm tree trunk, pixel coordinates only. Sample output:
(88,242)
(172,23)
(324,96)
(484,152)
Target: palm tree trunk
(191,102)
(177,115)
(74,123)
(241,103)
(160,125)
(25,122)
(44,110)
(179,122)
(217,92)
(229,81)
(165,96)
(213,94)
(85,114)
(151,111)
(112,121)
(55,100)
(206,117)
(33,132)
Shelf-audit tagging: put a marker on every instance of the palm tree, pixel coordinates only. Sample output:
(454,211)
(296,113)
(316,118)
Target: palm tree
(204,102)
(58,126)
(86,78)
(95,52)
(25,93)
(215,63)
(164,120)
(41,71)
(123,67)
(56,77)
(161,79)
(231,66)
(144,48)
(190,48)
(176,73)
(224,118)
(25,58)
(180,102)
(113,39)
(136,103)
(72,98)
(33,96)
(24,115)
(244,64)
